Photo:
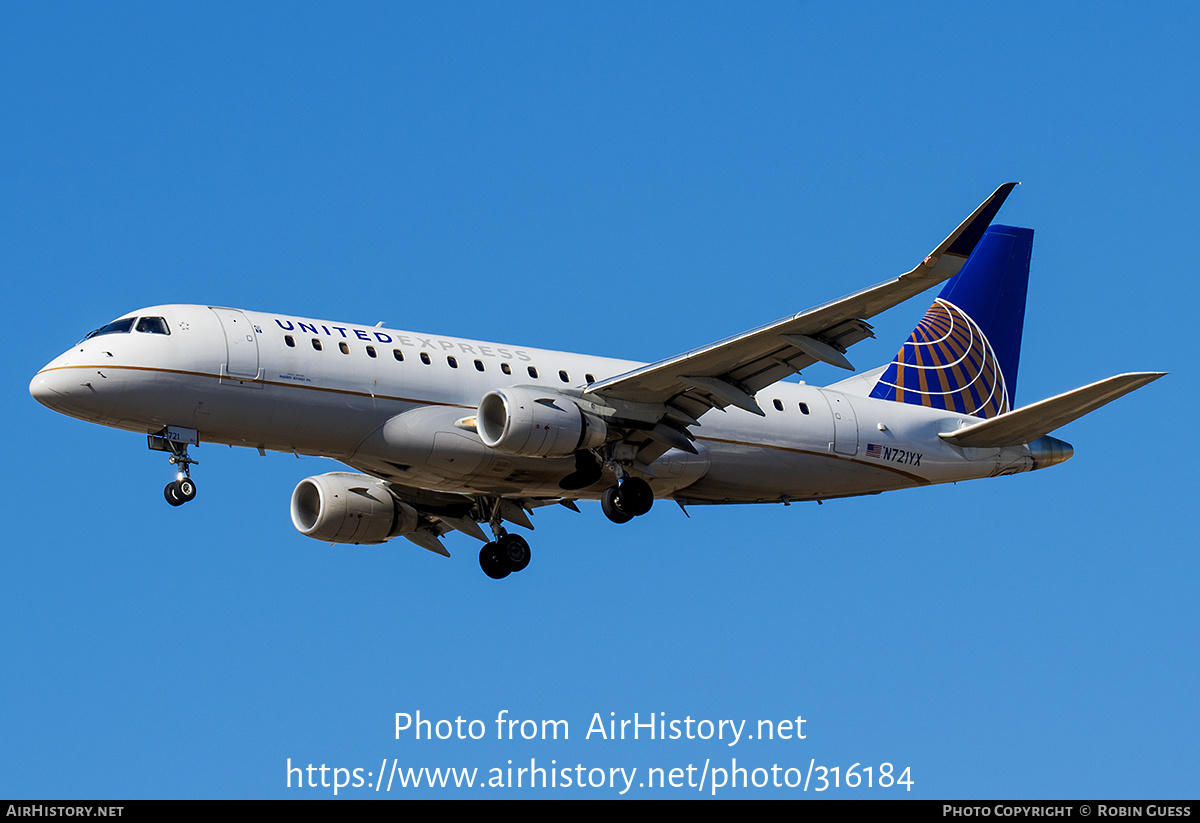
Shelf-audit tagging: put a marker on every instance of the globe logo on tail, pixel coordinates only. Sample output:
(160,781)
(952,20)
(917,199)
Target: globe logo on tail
(947,363)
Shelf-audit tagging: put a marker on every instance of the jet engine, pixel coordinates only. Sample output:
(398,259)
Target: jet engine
(536,423)
(341,507)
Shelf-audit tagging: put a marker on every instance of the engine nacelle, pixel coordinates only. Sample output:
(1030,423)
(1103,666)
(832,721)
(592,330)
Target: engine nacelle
(536,423)
(341,507)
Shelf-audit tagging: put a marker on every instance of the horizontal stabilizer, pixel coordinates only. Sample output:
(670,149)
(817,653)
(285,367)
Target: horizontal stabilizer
(1028,424)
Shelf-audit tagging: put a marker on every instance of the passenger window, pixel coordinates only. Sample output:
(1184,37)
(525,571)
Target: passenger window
(589,378)
(345,349)
(804,408)
(370,351)
(316,344)
(153,325)
(478,365)
(562,375)
(453,363)
(399,355)
(425,358)
(533,372)
(291,341)
(507,369)
(778,405)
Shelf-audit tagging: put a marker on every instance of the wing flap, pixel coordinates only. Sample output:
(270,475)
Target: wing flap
(427,540)
(1031,422)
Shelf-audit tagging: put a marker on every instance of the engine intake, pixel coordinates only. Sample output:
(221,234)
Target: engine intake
(341,507)
(536,423)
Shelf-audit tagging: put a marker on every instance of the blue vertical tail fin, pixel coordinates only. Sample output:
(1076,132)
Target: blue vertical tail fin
(963,355)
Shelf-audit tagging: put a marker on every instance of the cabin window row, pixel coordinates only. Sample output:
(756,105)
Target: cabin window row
(778,404)
(451,360)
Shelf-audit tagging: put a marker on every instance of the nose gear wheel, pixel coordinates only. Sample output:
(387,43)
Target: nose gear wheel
(182,489)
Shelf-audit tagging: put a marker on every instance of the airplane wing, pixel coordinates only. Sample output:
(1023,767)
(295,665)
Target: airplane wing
(729,372)
(468,512)
(442,512)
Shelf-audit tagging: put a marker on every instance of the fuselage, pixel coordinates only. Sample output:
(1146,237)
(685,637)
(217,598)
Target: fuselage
(400,405)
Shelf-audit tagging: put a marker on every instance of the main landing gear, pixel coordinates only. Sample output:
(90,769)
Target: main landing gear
(630,498)
(506,554)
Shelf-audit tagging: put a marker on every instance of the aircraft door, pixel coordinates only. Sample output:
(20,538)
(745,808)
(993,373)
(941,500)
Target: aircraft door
(845,423)
(241,345)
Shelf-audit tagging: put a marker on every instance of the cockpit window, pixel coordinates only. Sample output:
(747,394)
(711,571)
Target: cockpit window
(153,325)
(115,327)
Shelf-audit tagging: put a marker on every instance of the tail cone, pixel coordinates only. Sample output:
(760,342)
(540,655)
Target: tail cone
(1049,451)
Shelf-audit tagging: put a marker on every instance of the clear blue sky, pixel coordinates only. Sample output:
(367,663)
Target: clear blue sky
(623,179)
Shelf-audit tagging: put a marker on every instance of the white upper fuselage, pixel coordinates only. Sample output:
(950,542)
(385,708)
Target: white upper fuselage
(386,402)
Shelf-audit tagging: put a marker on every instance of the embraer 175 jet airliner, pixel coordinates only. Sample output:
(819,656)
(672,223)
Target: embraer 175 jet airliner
(448,434)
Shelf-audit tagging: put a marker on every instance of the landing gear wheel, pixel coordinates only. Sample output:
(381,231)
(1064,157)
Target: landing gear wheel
(631,498)
(175,441)
(185,489)
(611,507)
(171,492)
(634,496)
(514,551)
(492,562)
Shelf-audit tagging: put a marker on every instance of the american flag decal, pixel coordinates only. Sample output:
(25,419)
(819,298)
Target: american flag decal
(874,450)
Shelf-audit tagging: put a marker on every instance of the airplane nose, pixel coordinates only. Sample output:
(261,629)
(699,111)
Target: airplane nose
(42,387)
(62,390)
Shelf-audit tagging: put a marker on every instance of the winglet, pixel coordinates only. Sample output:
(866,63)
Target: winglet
(962,241)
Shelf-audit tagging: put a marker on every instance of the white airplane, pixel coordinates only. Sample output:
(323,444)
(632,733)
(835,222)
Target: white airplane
(448,434)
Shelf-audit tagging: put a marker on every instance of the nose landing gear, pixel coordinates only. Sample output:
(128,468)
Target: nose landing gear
(180,491)
(176,440)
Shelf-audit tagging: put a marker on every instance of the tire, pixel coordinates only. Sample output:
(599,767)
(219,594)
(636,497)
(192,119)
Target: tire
(612,510)
(492,563)
(185,489)
(634,496)
(171,492)
(514,552)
